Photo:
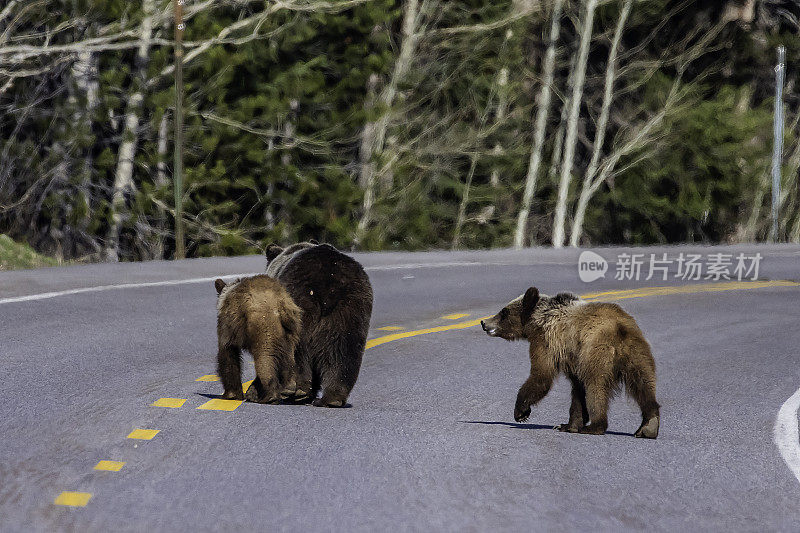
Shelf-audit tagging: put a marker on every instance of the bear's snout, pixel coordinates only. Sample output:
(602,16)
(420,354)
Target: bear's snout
(488,329)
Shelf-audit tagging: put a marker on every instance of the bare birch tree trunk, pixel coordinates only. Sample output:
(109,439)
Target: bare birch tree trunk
(161,180)
(571,138)
(600,131)
(123,177)
(462,208)
(84,74)
(374,134)
(500,116)
(542,114)
(635,141)
(518,9)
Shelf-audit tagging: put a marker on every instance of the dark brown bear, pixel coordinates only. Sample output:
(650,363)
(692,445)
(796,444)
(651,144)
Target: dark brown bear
(258,315)
(335,295)
(598,346)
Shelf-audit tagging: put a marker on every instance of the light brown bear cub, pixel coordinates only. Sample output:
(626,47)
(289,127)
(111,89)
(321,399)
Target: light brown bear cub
(258,315)
(598,346)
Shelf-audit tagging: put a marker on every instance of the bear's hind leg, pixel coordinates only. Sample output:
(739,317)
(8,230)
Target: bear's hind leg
(304,390)
(338,364)
(578,413)
(335,389)
(644,392)
(229,369)
(266,388)
(597,405)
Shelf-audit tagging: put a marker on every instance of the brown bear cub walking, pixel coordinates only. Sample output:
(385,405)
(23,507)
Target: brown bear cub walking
(258,315)
(598,346)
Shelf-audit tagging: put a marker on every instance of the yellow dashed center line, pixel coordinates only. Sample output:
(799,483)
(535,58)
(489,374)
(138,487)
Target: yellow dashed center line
(109,466)
(73,499)
(143,434)
(218,404)
(455,316)
(169,402)
(208,377)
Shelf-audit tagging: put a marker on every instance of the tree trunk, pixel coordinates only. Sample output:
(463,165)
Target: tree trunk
(542,113)
(84,75)
(123,177)
(462,208)
(600,131)
(500,116)
(518,8)
(558,144)
(374,134)
(162,181)
(571,137)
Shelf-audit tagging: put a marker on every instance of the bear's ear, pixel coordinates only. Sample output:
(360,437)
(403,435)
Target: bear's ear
(529,302)
(273,251)
(313,241)
(219,285)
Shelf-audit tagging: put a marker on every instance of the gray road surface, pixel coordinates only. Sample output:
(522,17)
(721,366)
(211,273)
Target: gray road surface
(429,442)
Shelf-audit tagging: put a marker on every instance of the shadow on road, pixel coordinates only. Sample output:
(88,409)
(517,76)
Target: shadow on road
(282,402)
(516,425)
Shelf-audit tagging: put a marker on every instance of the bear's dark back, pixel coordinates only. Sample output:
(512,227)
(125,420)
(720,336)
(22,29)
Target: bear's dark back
(327,284)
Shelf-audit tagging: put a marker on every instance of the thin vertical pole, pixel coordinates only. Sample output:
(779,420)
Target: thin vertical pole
(777,155)
(180,251)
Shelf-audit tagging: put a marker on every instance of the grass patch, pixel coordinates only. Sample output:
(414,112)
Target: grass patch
(14,255)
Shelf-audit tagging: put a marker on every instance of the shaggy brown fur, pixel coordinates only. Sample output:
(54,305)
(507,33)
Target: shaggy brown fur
(598,346)
(335,295)
(258,315)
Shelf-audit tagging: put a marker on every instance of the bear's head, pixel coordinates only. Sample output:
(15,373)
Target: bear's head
(223,289)
(277,257)
(510,322)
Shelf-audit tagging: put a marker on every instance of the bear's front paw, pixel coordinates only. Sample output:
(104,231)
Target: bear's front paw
(324,402)
(233,395)
(521,413)
(569,428)
(593,429)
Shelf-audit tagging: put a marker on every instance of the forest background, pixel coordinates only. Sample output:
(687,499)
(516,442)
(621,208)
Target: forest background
(388,124)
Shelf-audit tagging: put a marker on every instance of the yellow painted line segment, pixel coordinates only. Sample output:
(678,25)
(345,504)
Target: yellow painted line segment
(391,328)
(612,295)
(208,377)
(218,404)
(173,403)
(406,334)
(143,434)
(73,499)
(689,289)
(455,316)
(109,466)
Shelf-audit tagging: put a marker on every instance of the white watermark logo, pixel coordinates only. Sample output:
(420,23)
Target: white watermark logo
(685,266)
(591,266)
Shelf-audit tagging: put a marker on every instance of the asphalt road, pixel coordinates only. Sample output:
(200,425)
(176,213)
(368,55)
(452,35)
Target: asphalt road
(429,442)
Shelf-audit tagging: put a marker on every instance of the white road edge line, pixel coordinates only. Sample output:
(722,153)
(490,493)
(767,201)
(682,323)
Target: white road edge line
(786,433)
(101,288)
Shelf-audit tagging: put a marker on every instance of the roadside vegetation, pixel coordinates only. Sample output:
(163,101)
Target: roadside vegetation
(14,255)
